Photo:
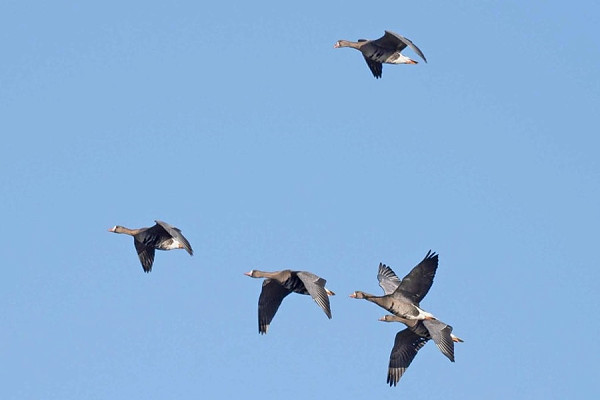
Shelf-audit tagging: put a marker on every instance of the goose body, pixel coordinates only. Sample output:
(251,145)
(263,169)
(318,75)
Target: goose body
(435,329)
(418,332)
(396,304)
(277,285)
(385,50)
(410,340)
(402,297)
(161,236)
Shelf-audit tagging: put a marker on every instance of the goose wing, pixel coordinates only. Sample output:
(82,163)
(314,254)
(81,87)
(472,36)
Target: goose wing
(315,286)
(401,42)
(176,234)
(440,333)
(375,54)
(390,41)
(406,346)
(375,67)
(388,280)
(271,296)
(382,50)
(417,283)
(145,253)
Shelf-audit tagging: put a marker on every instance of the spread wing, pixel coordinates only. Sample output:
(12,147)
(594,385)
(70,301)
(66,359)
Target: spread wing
(176,234)
(315,286)
(146,255)
(388,280)
(375,67)
(417,283)
(440,333)
(390,41)
(271,296)
(401,42)
(406,346)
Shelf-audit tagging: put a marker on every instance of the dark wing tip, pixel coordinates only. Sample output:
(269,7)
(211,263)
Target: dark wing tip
(263,325)
(145,255)
(394,375)
(146,265)
(431,254)
(375,67)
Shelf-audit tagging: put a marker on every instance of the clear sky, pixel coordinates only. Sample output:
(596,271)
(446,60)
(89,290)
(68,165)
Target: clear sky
(239,123)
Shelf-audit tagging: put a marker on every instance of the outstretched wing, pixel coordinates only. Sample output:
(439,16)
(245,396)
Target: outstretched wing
(440,333)
(388,280)
(406,346)
(271,296)
(401,43)
(315,286)
(176,234)
(417,283)
(146,255)
(375,67)
(390,41)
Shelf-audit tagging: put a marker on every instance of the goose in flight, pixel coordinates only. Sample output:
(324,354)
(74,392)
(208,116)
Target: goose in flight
(279,284)
(385,50)
(161,236)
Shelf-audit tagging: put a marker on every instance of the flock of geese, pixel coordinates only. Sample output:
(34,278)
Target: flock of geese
(402,297)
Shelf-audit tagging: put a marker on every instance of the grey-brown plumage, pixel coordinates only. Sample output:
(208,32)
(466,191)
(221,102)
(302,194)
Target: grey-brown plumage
(279,284)
(404,300)
(440,332)
(410,340)
(400,359)
(418,332)
(406,345)
(416,284)
(161,236)
(385,50)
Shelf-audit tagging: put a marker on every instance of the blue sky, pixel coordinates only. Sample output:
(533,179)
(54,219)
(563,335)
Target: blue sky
(241,125)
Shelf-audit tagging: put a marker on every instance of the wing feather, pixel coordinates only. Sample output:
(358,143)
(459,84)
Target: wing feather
(440,333)
(146,255)
(315,286)
(401,43)
(416,284)
(176,234)
(388,280)
(271,296)
(406,346)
